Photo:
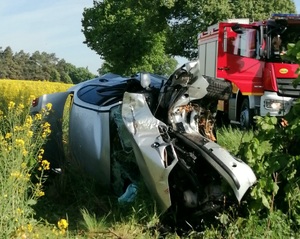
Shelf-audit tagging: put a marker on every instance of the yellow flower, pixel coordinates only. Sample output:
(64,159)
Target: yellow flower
(40,193)
(29,134)
(28,175)
(17,128)
(16,174)
(21,107)
(38,117)
(46,130)
(62,224)
(20,211)
(29,227)
(46,125)
(8,135)
(11,105)
(31,97)
(49,106)
(28,121)
(45,164)
(62,231)
(20,142)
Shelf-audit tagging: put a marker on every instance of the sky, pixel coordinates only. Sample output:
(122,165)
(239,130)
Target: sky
(51,26)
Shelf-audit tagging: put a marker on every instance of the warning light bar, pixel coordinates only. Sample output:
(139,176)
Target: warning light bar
(285,16)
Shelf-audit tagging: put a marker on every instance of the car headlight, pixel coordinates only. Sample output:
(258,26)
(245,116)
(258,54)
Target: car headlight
(274,104)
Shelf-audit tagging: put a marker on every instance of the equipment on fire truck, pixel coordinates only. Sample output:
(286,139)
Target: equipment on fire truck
(244,53)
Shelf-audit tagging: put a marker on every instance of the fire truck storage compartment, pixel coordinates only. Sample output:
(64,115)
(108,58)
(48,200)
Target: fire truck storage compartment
(208,47)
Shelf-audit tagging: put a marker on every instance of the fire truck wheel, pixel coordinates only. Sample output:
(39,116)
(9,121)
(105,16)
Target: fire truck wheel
(246,115)
(218,89)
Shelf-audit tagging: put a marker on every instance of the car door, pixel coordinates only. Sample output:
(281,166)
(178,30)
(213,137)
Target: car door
(238,57)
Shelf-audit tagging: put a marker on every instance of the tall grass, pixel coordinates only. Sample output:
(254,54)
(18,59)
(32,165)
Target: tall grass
(231,138)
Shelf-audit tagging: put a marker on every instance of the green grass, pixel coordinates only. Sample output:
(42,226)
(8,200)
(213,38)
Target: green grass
(231,138)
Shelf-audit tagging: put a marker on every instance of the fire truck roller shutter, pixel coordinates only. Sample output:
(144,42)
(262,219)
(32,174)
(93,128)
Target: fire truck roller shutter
(218,89)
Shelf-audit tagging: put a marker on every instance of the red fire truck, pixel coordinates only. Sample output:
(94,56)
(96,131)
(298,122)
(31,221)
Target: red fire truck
(249,55)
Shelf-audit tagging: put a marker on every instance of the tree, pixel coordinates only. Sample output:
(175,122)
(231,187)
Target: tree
(8,66)
(105,68)
(54,75)
(65,78)
(125,32)
(79,74)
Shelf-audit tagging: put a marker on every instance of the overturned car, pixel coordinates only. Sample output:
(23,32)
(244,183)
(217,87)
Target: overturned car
(160,130)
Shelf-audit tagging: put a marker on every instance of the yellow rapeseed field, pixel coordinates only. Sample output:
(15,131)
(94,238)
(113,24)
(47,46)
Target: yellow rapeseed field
(20,90)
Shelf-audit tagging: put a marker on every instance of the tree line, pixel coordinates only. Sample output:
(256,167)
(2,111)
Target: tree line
(39,66)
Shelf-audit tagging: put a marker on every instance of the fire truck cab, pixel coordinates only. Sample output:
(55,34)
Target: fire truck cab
(249,55)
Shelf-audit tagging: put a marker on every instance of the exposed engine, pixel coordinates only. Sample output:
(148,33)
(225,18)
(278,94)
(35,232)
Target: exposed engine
(193,182)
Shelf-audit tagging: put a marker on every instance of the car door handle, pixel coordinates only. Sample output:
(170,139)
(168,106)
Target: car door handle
(225,68)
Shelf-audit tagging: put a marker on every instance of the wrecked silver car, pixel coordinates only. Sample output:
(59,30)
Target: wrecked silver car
(160,130)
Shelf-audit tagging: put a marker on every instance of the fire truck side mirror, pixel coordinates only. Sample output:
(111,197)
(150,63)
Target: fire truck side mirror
(261,52)
(237,29)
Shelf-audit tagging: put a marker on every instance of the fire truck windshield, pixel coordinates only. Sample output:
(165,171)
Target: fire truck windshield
(279,35)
